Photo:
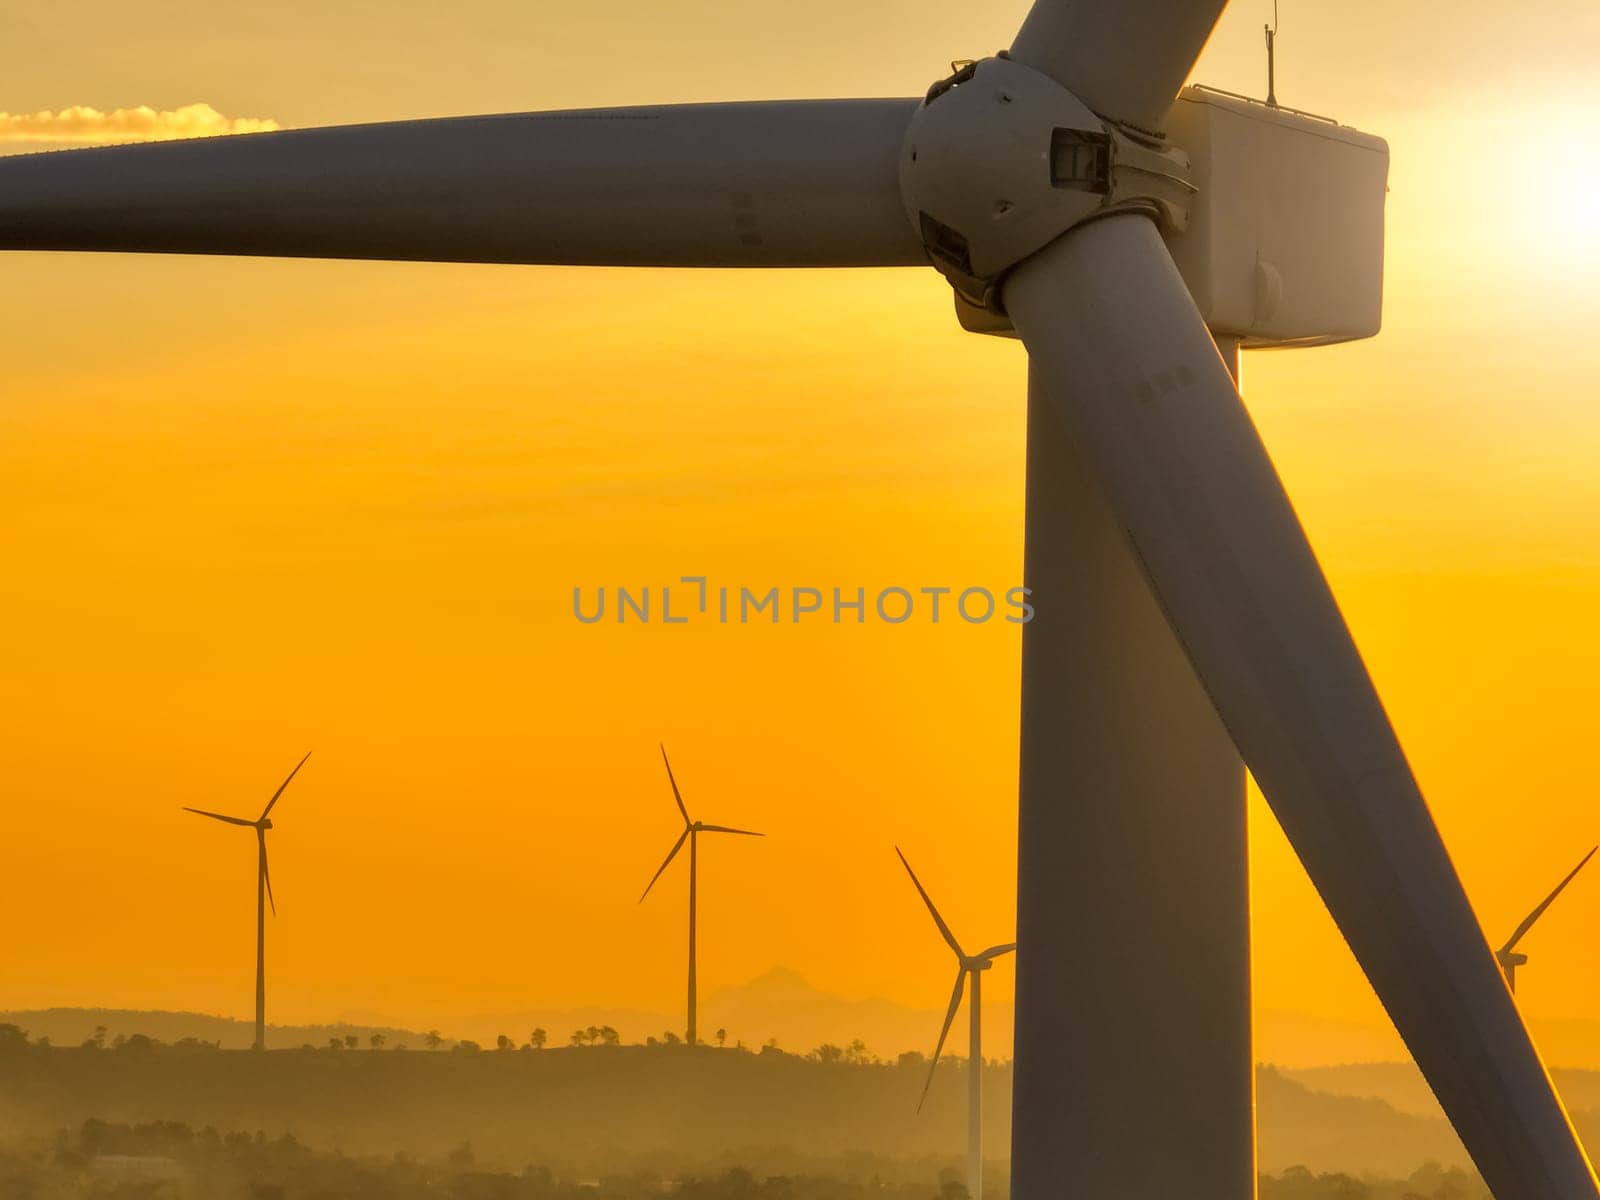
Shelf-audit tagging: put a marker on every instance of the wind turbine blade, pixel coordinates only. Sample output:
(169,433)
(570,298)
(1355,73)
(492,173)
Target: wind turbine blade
(283,785)
(804,183)
(266,873)
(676,795)
(944,929)
(1144,397)
(944,1032)
(1125,59)
(729,829)
(215,816)
(1527,922)
(676,846)
(994,952)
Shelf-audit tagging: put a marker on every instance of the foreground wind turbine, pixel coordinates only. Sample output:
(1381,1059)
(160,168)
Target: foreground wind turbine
(691,833)
(263,894)
(973,966)
(1507,955)
(1126,231)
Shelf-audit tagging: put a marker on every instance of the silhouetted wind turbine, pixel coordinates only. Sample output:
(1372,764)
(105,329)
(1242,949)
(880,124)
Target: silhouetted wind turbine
(967,965)
(1507,956)
(263,894)
(692,829)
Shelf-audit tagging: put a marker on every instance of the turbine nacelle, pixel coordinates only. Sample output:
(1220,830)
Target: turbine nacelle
(1000,160)
(981,962)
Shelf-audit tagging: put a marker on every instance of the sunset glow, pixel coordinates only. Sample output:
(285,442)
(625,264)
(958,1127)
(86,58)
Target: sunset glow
(255,508)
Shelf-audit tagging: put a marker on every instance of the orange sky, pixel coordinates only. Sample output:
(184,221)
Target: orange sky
(257,507)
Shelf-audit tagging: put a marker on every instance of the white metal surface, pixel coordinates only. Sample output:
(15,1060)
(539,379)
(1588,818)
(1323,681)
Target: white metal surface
(1125,59)
(1000,160)
(977,159)
(1150,408)
(1285,237)
(1133,1071)
(1122,762)
(804,183)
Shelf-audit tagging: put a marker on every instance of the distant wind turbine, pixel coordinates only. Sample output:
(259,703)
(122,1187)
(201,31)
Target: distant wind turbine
(1507,956)
(1132,268)
(263,894)
(967,965)
(692,829)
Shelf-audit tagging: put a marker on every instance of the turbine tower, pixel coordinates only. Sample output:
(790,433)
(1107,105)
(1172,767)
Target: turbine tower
(1507,955)
(263,893)
(1126,228)
(967,966)
(692,830)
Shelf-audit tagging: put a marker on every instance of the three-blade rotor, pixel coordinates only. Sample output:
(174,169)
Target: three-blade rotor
(1117,346)
(691,827)
(965,964)
(261,824)
(1528,921)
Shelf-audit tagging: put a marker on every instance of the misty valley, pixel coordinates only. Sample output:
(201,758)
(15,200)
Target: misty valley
(583,1116)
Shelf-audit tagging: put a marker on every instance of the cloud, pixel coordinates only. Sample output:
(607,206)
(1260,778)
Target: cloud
(84,126)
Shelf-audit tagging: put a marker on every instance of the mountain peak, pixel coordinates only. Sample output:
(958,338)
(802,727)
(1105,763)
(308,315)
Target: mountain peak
(777,978)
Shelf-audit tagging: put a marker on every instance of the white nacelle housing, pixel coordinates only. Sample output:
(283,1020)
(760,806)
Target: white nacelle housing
(1284,245)
(1274,217)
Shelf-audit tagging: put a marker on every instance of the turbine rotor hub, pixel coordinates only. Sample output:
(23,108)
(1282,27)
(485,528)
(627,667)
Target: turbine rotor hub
(1000,160)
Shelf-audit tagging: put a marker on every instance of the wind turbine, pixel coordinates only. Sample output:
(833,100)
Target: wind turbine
(692,830)
(1135,234)
(967,966)
(1507,955)
(263,893)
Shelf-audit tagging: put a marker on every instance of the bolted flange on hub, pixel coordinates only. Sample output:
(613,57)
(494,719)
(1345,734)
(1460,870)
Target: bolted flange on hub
(1001,160)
